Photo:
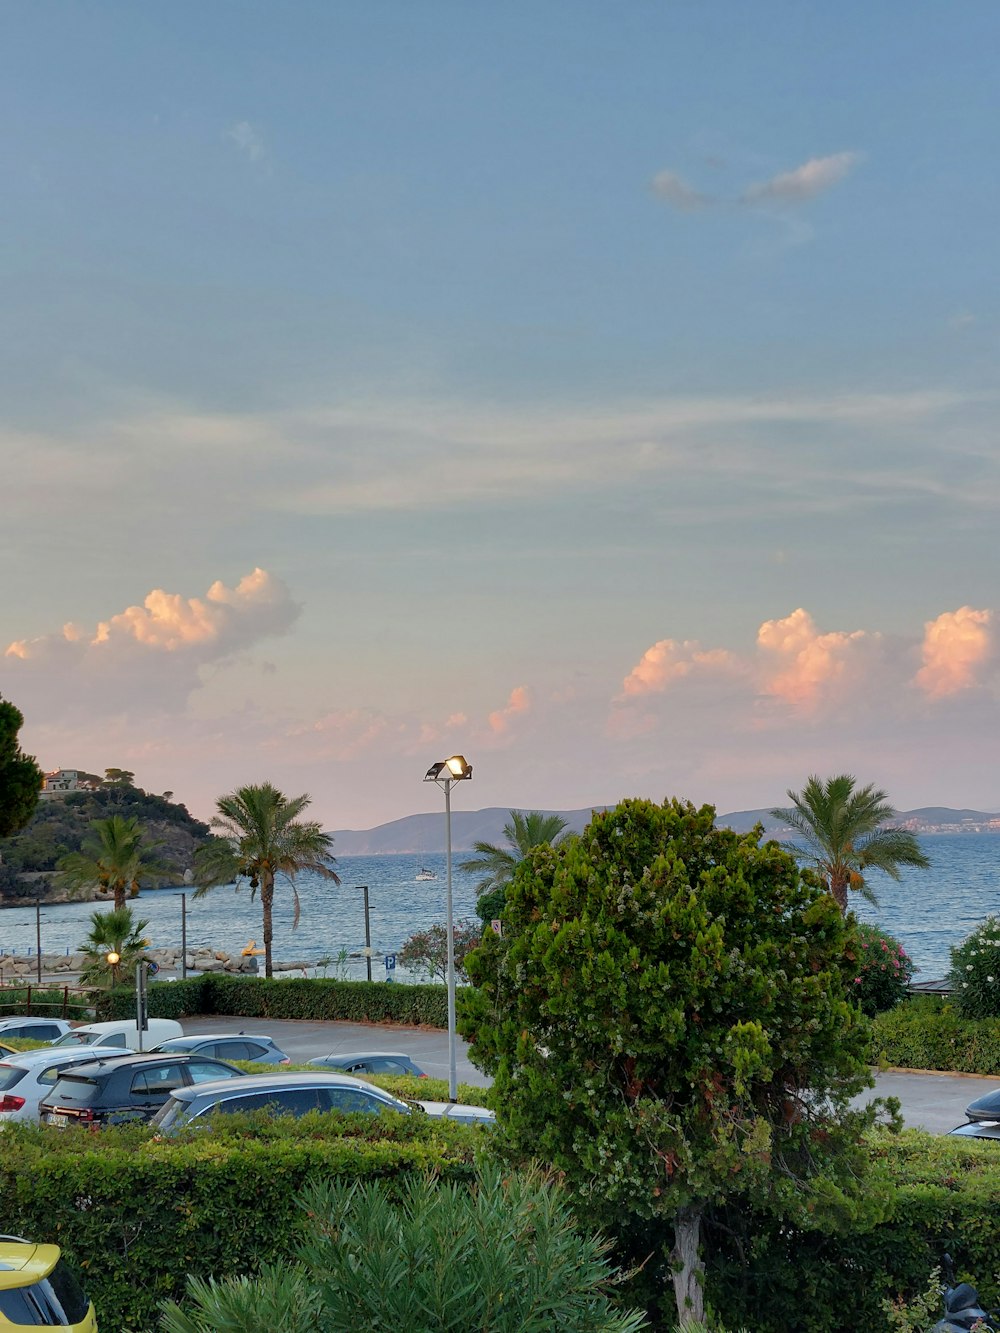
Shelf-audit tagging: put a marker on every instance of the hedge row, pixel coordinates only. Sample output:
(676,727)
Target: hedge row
(135,1216)
(315,998)
(927,1032)
(943,1195)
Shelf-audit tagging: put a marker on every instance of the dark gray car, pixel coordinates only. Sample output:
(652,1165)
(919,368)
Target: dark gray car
(369,1062)
(228,1046)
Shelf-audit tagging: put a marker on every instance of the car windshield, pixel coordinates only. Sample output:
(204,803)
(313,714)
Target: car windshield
(177,1045)
(80,1037)
(171,1113)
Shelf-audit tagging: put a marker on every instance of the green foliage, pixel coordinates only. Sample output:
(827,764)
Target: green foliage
(942,1195)
(845,834)
(928,1032)
(975,971)
(136,1215)
(501,1257)
(883,970)
(60,825)
(314,998)
(426,951)
(915,1315)
(115,858)
(262,837)
(667,1022)
(119,931)
(20,777)
(496,864)
(50,1002)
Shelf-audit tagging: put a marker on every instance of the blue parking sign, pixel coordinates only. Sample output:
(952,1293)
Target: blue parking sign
(390,962)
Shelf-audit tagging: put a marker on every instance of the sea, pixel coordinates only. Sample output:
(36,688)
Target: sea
(929,911)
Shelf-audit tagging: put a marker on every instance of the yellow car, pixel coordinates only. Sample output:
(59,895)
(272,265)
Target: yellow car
(37,1290)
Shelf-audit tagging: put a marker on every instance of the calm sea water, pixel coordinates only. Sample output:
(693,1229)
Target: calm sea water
(929,910)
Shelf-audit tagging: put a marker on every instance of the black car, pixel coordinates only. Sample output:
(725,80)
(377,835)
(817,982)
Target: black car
(124,1088)
(369,1062)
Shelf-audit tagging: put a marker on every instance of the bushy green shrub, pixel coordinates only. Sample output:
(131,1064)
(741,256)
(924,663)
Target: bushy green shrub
(884,970)
(313,998)
(136,1215)
(503,1256)
(975,971)
(45,1002)
(928,1032)
(944,1196)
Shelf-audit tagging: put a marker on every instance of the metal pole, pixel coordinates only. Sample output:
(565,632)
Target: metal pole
(452,1053)
(184,937)
(368,934)
(38,936)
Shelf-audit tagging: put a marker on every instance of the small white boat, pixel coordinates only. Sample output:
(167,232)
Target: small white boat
(426,874)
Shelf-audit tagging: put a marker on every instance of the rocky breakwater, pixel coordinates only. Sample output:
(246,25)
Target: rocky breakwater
(15,967)
(214,960)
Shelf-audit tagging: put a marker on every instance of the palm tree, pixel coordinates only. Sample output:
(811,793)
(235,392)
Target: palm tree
(115,931)
(261,838)
(845,834)
(496,864)
(114,858)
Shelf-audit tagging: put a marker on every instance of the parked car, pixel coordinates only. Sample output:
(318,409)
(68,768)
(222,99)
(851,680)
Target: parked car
(119,1089)
(225,1046)
(297,1094)
(38,1290)
(977,1129)
(28,1076)
(33,1029)
(122,1032)
(369,1062)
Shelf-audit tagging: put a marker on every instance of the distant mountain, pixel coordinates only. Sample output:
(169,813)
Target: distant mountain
(425,833)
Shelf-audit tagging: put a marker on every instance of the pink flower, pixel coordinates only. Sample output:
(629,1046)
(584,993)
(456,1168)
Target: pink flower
(857,981)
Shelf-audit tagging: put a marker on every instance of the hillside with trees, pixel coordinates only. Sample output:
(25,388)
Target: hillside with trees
(61,823)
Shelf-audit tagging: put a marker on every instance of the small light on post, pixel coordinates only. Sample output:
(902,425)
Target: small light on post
(455,769)
(113,959)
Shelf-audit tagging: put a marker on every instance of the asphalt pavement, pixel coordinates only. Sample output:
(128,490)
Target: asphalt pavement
(935,1102)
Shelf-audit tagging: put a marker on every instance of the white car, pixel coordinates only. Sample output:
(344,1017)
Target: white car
(13,1028)
(29,1076)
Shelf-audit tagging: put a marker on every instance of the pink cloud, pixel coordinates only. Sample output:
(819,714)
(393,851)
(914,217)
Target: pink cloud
(667,661)
(802,666)
(518,702)
(956,646)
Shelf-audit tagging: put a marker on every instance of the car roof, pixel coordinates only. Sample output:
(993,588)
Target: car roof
(268,1082)
(60,1055)
(367,1055)
(195,1039)
(132,1058)
(12,1020)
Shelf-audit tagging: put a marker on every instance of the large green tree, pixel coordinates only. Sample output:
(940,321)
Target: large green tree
(260,837)
(667,1022)
(20,777)
(496,864)
(846,831)
(115,857)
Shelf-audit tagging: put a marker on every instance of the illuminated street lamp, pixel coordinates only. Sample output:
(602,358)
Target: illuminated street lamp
(113,959)
(444,774)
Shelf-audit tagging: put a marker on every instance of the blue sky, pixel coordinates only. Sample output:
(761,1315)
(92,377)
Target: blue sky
(605,391)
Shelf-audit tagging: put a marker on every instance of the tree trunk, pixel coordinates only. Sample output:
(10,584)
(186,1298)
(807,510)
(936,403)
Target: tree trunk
(266,901)
(119,895)
(839,881)
(688,1270)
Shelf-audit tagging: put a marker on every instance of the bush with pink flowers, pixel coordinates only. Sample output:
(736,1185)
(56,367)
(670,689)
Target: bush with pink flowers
(883,970)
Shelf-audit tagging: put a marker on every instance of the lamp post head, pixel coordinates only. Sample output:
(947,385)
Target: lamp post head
(455,769)
(113,958)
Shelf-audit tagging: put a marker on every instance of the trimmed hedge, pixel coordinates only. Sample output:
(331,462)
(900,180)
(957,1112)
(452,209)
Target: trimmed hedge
(944,1195)
(313,998)
(135,1215)
(927,1032)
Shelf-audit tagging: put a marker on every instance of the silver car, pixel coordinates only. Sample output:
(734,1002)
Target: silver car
(227,1046)
(28,1028)
(297,1094)
(28,1077)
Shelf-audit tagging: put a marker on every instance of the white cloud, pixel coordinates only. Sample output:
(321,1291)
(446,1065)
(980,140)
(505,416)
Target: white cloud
(668,661)
(804,182)
(676,192)
(247,140)
(518,702)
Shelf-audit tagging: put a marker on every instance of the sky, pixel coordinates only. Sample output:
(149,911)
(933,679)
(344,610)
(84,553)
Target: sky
(604,392)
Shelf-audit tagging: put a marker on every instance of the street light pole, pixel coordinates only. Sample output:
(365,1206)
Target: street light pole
(38,939)
(368,933)
(444,774)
